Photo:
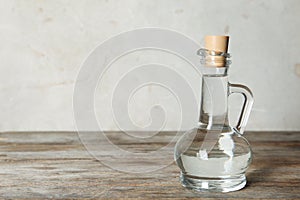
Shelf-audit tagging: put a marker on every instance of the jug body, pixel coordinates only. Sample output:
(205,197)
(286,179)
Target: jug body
(214,160)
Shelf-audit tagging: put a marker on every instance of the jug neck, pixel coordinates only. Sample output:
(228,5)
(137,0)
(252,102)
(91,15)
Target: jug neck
(213,108)
(214,98)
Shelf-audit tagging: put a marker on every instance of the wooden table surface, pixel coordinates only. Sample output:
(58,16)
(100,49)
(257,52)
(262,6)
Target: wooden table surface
(56,165)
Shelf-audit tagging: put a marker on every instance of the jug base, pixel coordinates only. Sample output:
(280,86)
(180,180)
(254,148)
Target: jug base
(202,184)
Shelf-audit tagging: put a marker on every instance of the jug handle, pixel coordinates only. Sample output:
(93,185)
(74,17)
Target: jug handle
(247,105)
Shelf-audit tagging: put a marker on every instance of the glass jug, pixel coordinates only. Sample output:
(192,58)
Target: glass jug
(214,155)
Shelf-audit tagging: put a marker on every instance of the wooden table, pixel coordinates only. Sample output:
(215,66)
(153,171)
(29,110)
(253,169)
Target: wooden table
(56,165)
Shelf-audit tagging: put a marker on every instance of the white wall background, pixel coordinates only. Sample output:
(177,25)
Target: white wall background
(43,43)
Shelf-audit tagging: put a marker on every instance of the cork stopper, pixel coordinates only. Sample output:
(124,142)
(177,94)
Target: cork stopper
(218,44)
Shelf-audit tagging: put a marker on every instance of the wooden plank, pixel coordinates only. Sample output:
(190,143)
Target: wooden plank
(56,165)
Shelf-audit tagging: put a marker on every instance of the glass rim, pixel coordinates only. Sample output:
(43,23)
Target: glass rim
(207,52)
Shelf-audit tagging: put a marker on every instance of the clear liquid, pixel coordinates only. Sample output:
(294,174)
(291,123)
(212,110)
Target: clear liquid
(215,167)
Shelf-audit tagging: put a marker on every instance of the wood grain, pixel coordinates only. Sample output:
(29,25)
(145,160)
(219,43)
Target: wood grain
(39,165)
